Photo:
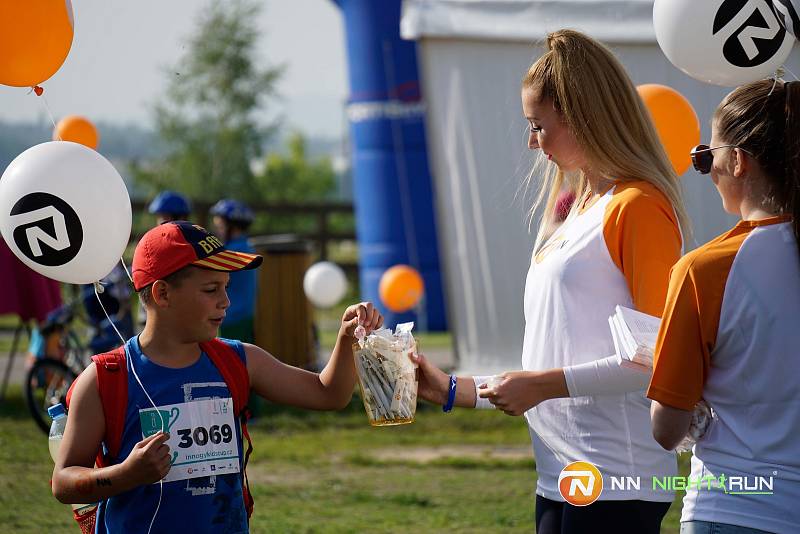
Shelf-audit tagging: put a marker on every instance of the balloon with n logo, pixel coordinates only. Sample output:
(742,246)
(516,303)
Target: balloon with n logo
(789,13)
(724,42)
(65,212)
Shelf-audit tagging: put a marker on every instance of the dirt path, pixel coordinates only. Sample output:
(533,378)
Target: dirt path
(429,454)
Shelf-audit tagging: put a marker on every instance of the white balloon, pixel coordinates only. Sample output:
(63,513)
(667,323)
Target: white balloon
(65,212)
(325,284)
(789,13)
(724,42)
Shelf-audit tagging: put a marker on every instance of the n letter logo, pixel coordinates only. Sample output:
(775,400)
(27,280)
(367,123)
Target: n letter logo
(580,483)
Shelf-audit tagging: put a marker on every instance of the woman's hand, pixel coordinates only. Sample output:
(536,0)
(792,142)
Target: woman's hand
(363,314)
(433,382)
(522,390)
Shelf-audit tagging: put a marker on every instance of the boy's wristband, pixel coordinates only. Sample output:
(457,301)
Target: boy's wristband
(451,395)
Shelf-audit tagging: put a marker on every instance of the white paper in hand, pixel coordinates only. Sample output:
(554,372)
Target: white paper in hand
(634,334)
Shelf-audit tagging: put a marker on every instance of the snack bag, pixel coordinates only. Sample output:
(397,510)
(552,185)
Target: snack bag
(387,376)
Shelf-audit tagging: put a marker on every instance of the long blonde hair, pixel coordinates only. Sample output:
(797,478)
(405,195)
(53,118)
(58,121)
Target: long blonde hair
(600,105)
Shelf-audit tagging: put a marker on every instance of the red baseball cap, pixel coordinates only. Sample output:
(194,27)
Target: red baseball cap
(171,246)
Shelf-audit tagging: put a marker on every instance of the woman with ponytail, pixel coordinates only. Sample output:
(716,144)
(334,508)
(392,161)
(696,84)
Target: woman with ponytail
(730,332)
(595,138)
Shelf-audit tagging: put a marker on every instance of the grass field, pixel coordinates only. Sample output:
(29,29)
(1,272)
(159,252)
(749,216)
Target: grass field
(332,473)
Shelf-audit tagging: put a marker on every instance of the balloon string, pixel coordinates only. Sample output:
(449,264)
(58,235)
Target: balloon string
(50,114)
(774,83)
(779,77)
(122,261)
(98,288)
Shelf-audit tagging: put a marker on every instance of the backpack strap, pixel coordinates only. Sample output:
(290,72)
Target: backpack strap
(234,372)
(112,385)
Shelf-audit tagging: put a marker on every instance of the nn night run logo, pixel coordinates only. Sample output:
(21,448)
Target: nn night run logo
(730,484)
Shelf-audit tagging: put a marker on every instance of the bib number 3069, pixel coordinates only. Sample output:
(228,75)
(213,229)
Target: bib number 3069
(201,435)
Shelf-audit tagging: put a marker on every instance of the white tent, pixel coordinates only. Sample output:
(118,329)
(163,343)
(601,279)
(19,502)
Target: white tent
(473,54)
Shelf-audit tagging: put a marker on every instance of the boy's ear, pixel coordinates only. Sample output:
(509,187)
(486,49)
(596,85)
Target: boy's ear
(160,293)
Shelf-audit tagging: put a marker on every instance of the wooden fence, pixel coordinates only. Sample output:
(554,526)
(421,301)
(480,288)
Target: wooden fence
(321,237)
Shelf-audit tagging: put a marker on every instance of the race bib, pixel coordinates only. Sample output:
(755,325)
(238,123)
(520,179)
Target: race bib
(202,437)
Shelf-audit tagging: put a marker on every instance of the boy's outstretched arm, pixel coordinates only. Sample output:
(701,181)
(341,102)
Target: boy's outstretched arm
(332,388)
(75,480)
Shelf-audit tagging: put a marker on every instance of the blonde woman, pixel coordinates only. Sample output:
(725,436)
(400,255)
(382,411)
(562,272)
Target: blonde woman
(617,246)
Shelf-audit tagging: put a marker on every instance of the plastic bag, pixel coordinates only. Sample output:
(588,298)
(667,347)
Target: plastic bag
(387,376)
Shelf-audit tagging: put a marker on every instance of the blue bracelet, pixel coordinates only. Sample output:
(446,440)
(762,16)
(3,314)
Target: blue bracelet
(451,396)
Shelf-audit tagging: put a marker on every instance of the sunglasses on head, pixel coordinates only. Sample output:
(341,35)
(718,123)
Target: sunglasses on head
(702,157)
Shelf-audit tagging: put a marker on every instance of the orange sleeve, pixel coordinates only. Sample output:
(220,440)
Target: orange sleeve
(682,353)
(644,240)
(690,323)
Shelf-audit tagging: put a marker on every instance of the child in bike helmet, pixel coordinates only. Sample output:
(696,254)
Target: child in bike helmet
(170,206)
(232,219)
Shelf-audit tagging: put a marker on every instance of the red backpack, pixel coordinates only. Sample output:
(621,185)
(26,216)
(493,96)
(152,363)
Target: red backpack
(112,384)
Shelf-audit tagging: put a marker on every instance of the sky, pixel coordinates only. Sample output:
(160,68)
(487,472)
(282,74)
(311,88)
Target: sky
(121,49)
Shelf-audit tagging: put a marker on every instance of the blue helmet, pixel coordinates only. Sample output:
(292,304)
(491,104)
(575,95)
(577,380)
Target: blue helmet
(233,210)
(171,203)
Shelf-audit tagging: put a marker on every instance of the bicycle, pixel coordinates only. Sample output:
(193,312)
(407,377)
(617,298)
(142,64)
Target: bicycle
(66,356)
(50,377)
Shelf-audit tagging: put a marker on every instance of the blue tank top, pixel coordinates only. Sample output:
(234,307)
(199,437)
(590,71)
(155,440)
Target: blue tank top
(206,504)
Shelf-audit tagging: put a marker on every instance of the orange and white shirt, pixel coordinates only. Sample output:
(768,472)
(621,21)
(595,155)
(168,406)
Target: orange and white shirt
(730,334)
(618,250)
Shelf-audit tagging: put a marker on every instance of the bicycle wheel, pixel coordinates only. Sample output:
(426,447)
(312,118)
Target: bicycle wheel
(46,384)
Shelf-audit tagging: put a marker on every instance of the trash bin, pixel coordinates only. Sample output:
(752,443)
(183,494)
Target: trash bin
(283,320)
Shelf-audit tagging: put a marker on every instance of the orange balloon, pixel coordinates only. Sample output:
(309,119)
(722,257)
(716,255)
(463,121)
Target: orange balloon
(400,288)
(78,130)
(675,120)
(35,38)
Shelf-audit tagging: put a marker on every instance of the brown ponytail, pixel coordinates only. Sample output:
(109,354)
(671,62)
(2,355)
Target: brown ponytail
(762,118)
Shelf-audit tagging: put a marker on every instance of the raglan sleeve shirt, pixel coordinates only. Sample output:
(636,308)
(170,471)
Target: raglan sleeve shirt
(644,241)
(690,324)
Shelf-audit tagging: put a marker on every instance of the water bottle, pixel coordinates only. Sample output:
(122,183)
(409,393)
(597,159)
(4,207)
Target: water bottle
(59,416)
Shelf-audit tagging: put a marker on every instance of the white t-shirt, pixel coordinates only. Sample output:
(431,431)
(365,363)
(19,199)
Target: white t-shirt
(731,335)
(617,251)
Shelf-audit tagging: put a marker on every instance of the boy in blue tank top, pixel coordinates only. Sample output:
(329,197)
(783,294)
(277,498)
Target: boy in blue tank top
(181,272)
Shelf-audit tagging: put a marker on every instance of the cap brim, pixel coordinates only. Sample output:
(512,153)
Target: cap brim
(229,260)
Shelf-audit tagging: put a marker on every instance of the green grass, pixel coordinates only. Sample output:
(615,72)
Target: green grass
(330,473)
